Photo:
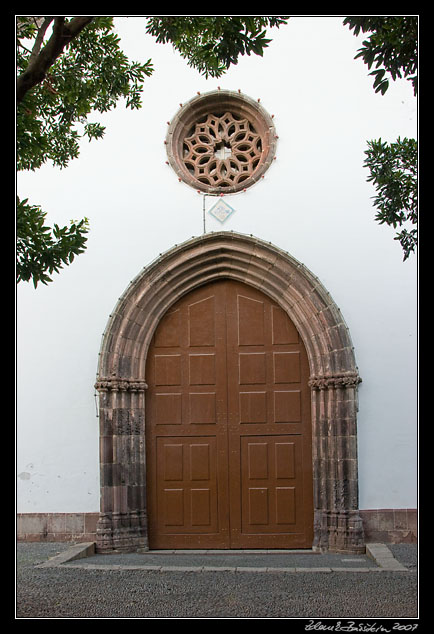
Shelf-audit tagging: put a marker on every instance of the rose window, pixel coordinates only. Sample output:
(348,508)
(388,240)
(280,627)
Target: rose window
(221,142)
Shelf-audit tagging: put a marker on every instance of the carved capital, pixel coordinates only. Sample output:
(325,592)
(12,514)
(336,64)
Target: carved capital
(334,381)
(115,384)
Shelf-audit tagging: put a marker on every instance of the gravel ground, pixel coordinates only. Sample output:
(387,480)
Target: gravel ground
(67,592)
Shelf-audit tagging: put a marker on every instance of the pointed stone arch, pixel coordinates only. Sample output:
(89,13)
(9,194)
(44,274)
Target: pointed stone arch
(334,380)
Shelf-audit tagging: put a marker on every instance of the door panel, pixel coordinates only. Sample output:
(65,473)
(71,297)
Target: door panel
(228,425)
(270,487)
(187,485)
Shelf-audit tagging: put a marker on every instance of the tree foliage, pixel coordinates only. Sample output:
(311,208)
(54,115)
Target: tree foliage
(393,170)
(79,70)
(213,44)
(90,76)
(42,250)
(392,46)
(71,67)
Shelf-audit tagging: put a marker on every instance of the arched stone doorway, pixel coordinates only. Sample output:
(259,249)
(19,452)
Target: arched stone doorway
(122,384)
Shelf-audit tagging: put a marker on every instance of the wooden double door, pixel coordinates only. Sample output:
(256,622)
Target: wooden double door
(228,425)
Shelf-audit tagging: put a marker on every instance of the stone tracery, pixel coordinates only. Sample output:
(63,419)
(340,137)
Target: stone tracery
(222,150)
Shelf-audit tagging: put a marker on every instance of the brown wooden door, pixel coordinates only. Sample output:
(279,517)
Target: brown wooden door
(228,423)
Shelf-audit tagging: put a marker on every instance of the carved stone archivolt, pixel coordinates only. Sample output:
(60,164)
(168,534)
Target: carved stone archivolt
(221,142)
(333,370)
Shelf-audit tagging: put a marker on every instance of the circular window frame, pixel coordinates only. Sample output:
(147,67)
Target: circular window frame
(218,103)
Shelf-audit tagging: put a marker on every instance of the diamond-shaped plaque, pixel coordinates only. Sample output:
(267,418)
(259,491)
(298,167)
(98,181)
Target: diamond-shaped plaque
(221,211)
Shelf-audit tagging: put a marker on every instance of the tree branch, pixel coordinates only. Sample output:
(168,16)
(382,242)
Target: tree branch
(63,34)
(40,37)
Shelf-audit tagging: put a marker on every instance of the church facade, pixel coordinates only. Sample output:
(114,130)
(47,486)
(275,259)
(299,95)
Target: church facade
(232,362)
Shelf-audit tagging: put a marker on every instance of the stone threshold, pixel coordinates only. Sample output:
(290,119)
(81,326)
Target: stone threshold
(379,553)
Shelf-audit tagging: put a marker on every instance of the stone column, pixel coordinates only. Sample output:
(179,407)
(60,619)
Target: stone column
(123,523)
(338,526)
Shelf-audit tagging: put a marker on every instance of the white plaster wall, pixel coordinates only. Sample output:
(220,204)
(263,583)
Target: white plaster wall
(314,202)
